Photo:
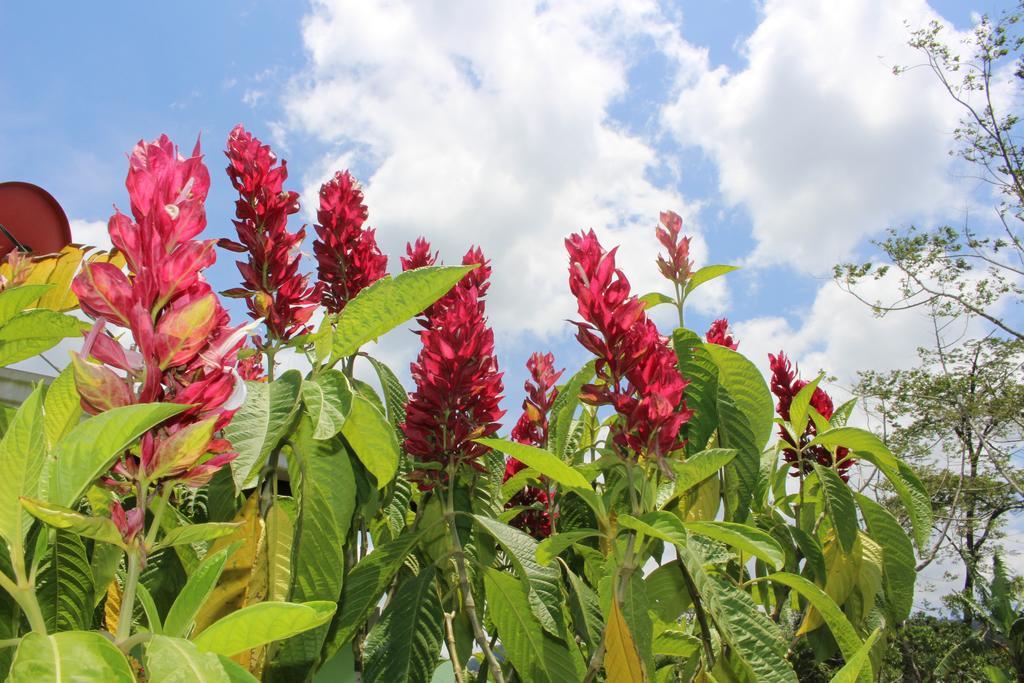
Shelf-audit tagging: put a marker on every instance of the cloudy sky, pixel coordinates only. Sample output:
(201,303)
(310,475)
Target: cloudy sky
(776,128)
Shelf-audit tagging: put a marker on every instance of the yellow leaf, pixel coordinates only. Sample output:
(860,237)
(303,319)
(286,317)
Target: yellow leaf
(59,270)
(622,662)
(842,572)
(112,607)
(701,502)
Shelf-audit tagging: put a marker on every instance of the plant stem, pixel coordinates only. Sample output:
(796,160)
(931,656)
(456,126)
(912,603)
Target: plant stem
(158,513)
(24,593)
(449,637)
(467,594)
(131,584)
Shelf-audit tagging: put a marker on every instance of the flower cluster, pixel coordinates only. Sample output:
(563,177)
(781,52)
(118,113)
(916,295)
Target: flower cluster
(786,386)
(719,334)
(184,349)
(274,289)
(677,267)
(532,429)
(347,256)
(458,385)
(635,366)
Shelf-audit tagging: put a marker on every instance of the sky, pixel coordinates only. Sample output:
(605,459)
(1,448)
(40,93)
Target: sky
(775,128)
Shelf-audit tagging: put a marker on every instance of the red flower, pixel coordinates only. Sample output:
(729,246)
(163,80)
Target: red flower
(251,368)
(418,255)
(272,286)
(719,334)
(636,367)
(458,385)
(532,429)
(786,386)
(184,349)
(678,266)
(347,256)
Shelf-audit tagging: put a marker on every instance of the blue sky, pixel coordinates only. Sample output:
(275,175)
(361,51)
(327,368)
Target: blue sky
(775,128)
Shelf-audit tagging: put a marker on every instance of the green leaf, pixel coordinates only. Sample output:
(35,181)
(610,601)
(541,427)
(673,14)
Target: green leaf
(840,506)
(554,545)
(747,388)
(701,393)
(801,402)
(899,572)
(62,408)
(854,668)
(149,608)
(394,393)
(178,660)
(652,299)
(706,274)
(69,657)
(200,585)
(564,408)
(65,584)
(262,623)
(389,302)
(543,580)
(364,585)
(59,517)
(742,537)
(372,438)
(540,460)
(842,630)
(908,487)
(537,655)
(585,609)
(404,645)
(667,595)
(32,332)
(325,492)
(89,450)
(661,525)
(22,454)
(755,640)
(14,300)
(328,399)
(673,643)
(699,467)
(260,424)
(196,533)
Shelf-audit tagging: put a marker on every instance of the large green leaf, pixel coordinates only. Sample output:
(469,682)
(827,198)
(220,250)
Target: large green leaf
(372,438)
(196,533)
(64,584)
(404,645)
(62,409)
(175,660)
(92,447)
(585,609)
(699,467)
(262,623)
(260,424)
(755,640)
(364,586)
(747,388)
(32,332)
(69,657)
(839,505)
(842,630)
(742,537)
(908,487)
(200,585)
(22,454)
(799,406)
(564,408)
(324,486)
(854,669)
(696,366)
(389,302)
(899,572)
(59,517)
(554,545)
(706,274)
(14,300)
(537,655)
(661,525)
(543,580)
(540,460)
(328,398)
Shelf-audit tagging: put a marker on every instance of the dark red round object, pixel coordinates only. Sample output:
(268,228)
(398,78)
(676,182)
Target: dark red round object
(33,217)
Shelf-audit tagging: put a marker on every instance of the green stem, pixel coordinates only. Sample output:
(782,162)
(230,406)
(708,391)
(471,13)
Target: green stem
(270,352)
(26,599)
(131,585)
(680,301)
(468,602)
(158,513)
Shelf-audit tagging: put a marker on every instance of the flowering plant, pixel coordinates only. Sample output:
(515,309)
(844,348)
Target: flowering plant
(176,508)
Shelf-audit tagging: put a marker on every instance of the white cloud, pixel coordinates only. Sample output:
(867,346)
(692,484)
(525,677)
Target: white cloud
(815,137)
(487,123)
(91,233)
